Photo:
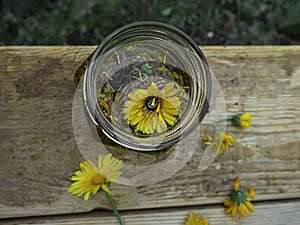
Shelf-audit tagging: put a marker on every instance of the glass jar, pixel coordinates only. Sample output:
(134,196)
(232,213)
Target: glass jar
(147,86)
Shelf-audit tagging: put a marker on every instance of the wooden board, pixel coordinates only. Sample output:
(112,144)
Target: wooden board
(39,154)
(266,213)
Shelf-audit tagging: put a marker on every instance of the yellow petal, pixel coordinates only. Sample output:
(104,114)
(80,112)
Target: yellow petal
(140,113)
(129,104)
(105,188)
(236,184)
(206,220)
(136,120)
(141,126)
(133,96)
(92,167)
(168,116)
(132,116)
(141,93)
(245,120)
(250,193)
(174,101)
(132,110)
(78,173)
(151,127)
(86,196)
(107,161)
(152,90)
(147,129)
(171,122)
(228,202)
(234,210)
(168,87)
(171,93)
(78,176)
(249,206)
(162,126)
(241,211)
(172,111)
(167,105)
(154,123)
(109,167)
(88,168)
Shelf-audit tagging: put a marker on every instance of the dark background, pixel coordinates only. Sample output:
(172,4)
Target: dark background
(208,22)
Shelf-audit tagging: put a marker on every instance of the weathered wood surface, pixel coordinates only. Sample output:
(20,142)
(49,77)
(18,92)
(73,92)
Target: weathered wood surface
(270,213)
(38,151)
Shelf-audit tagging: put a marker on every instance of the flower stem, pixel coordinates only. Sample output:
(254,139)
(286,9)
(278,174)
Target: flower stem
(222,120)
(114,207)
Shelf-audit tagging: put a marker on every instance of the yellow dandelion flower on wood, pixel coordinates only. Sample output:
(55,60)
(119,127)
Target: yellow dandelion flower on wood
(152,110)
(224,138)
(91,178)
(242,120)
(195,220)
(239,201)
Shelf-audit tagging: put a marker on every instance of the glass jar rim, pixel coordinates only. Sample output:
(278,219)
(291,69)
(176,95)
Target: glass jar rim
(123,138)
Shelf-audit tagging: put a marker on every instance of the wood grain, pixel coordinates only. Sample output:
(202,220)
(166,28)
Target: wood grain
(266,213)
(39,154)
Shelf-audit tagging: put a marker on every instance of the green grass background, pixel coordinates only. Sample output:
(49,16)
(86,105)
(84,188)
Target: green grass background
(208,22)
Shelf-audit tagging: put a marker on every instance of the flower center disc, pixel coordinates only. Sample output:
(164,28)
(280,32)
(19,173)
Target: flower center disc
(152,103)
(97,180)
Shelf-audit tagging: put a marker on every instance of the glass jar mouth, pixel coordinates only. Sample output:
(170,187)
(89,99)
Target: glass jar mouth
(168,46)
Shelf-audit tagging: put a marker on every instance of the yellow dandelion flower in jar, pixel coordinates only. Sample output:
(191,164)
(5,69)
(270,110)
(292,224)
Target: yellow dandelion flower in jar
(153,111)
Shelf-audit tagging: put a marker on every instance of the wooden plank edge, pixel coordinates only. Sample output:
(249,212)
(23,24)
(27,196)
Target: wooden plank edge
(40,211)
(270,212)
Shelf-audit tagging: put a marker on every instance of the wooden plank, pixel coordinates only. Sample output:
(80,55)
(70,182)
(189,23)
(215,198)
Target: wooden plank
(266,213)
(38,152)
